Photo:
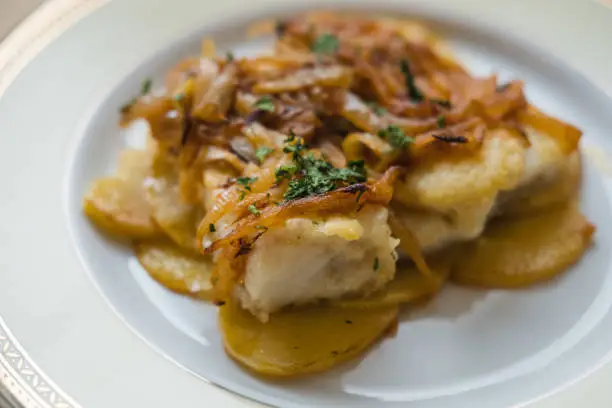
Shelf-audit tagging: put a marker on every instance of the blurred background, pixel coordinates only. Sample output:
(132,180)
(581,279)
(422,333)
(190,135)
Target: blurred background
(13,11)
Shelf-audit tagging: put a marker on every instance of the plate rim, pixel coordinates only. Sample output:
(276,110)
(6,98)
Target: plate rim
(28,385)
(31,45)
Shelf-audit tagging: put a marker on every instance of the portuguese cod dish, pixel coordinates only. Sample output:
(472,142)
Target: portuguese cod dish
(353,170)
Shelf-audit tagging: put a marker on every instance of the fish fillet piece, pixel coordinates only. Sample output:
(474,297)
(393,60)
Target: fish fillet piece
(449,182)
(309,259)
(434,231)
(551,177)
(546,175)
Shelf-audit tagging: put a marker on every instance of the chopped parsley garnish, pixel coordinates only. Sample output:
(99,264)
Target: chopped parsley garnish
(326,44)
(265,103)
(377,109)
(211,227)
(286,171)
(263,152)
(246,182)
(395,136)
(229,56)
(310,176)
(253,210)
(441,121)
(413,92)
(146,86)
(376,263)
(242,195)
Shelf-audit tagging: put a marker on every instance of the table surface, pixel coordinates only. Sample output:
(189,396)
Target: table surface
(13,11)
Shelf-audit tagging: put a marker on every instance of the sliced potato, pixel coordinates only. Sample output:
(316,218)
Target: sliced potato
(301,341)
(178,219)
(522,252)
(135,165)
(117,204)
(408,286)
(175,269)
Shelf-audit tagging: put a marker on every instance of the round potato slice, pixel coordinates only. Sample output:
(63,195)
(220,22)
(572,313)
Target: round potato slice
(444,183)
(301,341)
(120,209)
(408,286)
(178,271)
(176,218)
(521,252)
(117,204)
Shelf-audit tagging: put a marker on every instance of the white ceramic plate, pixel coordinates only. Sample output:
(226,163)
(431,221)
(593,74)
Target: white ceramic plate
(469,348)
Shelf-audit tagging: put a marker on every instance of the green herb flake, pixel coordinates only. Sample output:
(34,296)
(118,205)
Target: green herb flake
(246,182)
(253,210)
(291,137)
(413,91)
(441,122)
(211,227)
(146,86)
(395,136)
(376,264)
(310,176)
(265,103)
(285,171)
(242,195)
(229,56)
(262,152)
(326,44)
(377,109)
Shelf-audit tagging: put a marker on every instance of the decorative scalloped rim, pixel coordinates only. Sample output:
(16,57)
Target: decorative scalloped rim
(28,385)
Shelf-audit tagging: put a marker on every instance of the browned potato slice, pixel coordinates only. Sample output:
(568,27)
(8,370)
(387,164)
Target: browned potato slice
(178,219)
(301,341)
(117,204)
(135,165)
(408,286)
(175,269)
(521,252)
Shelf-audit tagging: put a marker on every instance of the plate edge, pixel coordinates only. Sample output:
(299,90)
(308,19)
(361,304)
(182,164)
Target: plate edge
(27,384)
